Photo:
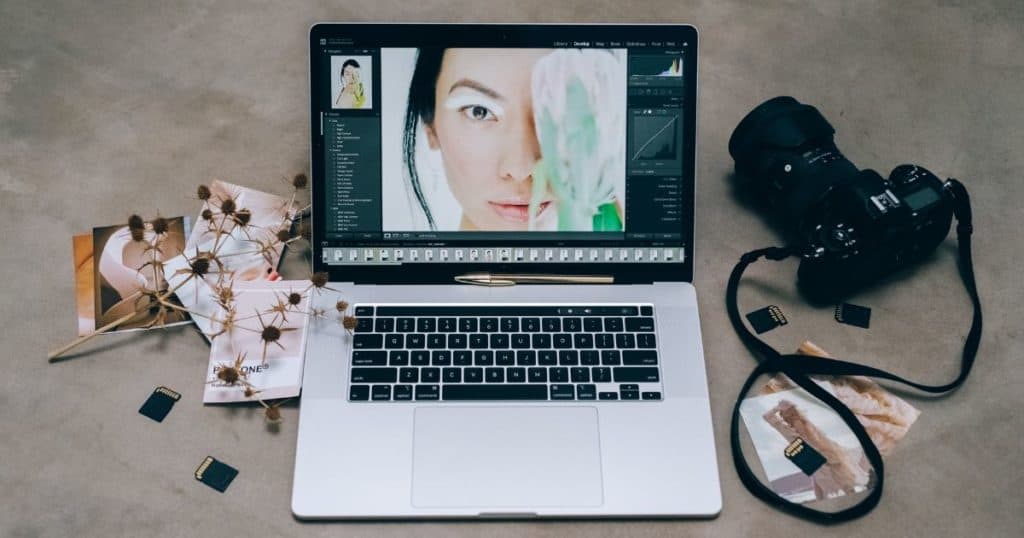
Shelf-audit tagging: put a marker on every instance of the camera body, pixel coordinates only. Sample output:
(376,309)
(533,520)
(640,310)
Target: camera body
(852,227)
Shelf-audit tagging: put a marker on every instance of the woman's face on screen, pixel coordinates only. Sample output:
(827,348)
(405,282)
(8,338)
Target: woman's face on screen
(483,126)
(349,74)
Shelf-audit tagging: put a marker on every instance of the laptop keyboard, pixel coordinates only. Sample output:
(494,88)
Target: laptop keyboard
(487,353)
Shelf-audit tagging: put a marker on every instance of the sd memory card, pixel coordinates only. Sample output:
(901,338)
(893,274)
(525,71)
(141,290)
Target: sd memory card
(216,474)
(766,319)
(159,403)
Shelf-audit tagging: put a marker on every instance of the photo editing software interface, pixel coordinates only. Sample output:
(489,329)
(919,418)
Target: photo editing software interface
(559,151)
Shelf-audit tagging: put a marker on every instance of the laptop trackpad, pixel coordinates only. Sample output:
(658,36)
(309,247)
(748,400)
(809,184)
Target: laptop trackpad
(506,457)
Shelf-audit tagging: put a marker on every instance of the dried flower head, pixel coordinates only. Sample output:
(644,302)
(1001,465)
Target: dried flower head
(228,206)
(349,322)
(300,181)
(342,305)
(319,279)
(284,235)
(270,334)
(160,225)
(200,264)
(242,217)
(249,392)
(294,298)
(272,414)
(207,214)
(232,374)
(203,192)
(137,228)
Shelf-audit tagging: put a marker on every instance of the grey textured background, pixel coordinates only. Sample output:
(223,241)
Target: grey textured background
(108,108)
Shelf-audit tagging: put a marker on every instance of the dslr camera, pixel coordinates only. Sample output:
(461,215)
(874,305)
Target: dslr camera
(851,227)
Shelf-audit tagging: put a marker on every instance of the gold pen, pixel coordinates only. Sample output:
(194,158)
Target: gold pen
(499,279)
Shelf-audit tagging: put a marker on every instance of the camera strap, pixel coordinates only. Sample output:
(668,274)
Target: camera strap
(799,367)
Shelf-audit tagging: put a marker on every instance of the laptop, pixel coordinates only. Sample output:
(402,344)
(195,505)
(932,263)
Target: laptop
(508,211)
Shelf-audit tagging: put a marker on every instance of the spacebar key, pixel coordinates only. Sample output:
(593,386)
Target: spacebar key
(494,392)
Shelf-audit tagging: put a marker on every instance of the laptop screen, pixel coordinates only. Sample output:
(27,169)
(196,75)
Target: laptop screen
(475,144)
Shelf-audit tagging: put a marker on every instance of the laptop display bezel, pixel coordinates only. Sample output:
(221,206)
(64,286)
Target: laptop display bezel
(513,34)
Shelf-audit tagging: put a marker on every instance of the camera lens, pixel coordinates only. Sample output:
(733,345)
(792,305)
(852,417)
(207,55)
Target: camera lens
(785,153)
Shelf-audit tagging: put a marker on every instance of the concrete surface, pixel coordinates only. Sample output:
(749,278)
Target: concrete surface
(108,108)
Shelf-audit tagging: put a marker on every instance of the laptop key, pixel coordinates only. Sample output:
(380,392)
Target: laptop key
(537,375)
(572,325)
(462,358)
(515,375)
(583,340)
(428,392)
(467,325)
(447,325)
(639,357)
(526,357)
(601,374)
(625,340)
(364,325)
(495,392)
(369,358)
(604,340)
(580,374)
(590,357)
(399,358)
(651,395)
(384,325)
(531,325)
(646,341)
(405,325)
(592,325)
(561,392)
(426,325)
(430,375)
(451,375)
(613,325)
(489,325)
(456,341)
(374,375)
(437,341)
(541,341)
(368,341)
(359,392)
(510,325)
(473,375)
(640,324)
(504,357)
(586,392)
(608,395)
(394,341)
(551,325)
(520,341)
(634,374)
(408,375)
(364,311)
(629,394)
(568,357)
(494,375)
(478,341)
(416,341)
(499,341)
(441,358)
(559,375)
(403,392)
(611,357)
(562,341)
(547,357)
(483,358)
(381,392)
(420,358)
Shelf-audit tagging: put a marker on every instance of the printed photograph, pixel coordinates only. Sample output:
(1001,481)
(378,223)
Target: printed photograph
(503,139)
(351,82)
(123,269)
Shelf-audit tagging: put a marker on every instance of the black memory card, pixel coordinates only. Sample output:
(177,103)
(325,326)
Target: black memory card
(216,474)
(766,319)
(159,403)
(851,314)
(804,456)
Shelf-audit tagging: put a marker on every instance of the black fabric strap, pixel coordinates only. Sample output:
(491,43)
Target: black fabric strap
(799,367)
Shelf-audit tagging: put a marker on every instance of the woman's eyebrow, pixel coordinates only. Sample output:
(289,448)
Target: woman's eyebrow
(474,85)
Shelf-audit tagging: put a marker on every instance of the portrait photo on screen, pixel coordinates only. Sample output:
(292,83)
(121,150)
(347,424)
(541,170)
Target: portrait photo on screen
(503,139)
(351,82)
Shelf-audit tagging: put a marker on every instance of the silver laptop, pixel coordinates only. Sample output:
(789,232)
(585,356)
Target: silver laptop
(509,211)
